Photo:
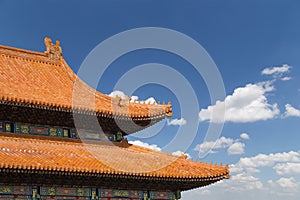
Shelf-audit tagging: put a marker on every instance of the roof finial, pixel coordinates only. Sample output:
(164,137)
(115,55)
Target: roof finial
(168,109)
(48,43)
(54,51)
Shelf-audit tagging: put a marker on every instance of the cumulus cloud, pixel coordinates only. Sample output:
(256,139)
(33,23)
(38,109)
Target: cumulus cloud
(245,136)
(119,94)
(284,186)
(134,98)
(234,147)
(246,182)
(287,182)
(180,153)
(150,100)
(242,182)
(122,95)
(245,178)
(177,122)
(287,168)
(246,104)
(211,146)
(276,71)
(263,160)
(283,163)
(145,145)
(290,111)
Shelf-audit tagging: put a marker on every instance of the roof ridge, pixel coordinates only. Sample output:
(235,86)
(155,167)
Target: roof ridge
(29,55)
(22,50)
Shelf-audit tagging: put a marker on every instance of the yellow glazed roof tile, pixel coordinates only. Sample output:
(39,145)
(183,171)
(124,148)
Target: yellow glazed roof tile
(40,153)
(45,79)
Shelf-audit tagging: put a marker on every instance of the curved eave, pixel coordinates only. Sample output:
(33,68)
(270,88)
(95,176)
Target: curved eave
(144,176)
(81,110)
(70,157)
(82,178)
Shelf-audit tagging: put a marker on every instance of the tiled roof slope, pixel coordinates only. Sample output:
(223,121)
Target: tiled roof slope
(66,155)
(46,80)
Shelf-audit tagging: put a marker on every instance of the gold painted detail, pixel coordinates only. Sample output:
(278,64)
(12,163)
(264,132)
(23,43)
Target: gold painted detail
(121,193)
(52,131)
(80,192)
(51,191)
(25,129)
(7,128)
(5,190)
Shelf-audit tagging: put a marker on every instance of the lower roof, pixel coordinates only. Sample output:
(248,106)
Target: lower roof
(24,152)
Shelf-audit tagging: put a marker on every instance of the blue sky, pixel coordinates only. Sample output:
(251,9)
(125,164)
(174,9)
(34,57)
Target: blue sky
(255,46)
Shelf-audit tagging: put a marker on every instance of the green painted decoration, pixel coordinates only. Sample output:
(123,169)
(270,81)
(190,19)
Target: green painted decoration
(65,132)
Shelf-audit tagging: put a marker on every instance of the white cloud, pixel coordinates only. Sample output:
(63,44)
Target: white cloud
(250,182)
(287,168)
(290,111)
(282,163)
(245,136)
(177,122)
(235,169)
(134,98)
(284,186)
(211,146)
(236,148)
(242,178)
(150,100)
(276,70)
(287,182)
(145,145)
(233,147)
(286,78)
(242,182)
(118,93)
(263,160)
(246,104)
(180,153)
(122,95)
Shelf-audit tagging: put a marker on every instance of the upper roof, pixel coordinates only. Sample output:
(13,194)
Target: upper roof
(45,80)
(23,152)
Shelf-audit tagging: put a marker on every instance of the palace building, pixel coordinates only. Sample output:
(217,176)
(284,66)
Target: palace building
(46,154)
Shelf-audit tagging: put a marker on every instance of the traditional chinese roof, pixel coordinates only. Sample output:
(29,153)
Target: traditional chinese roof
(45,81)
(38,89)
(41,155)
